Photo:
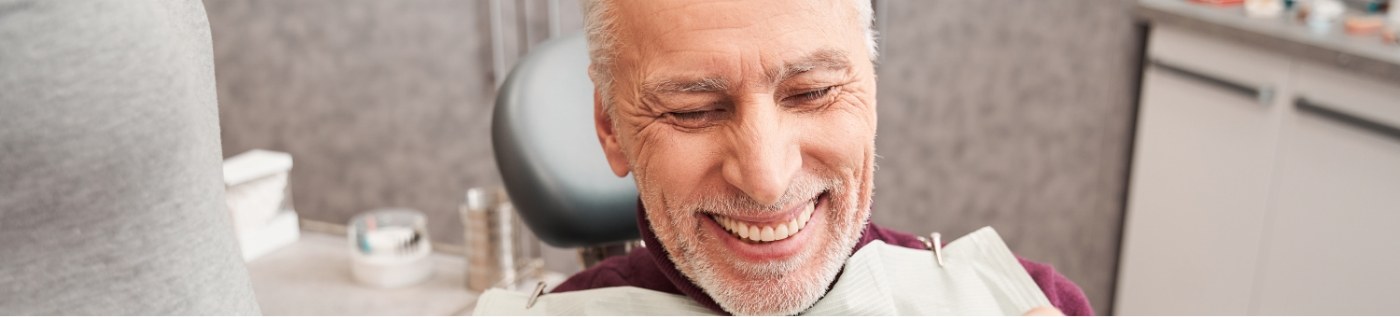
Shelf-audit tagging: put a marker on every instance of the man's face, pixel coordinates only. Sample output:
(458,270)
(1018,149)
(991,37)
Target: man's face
(750,129)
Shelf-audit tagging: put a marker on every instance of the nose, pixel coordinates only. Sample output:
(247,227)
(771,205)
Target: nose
(764,154)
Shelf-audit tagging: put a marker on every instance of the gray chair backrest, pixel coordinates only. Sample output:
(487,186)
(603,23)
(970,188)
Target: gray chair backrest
(111,189)
(548,151)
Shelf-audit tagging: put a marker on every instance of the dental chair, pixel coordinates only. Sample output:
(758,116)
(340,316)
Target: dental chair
(551,163)
(111,186)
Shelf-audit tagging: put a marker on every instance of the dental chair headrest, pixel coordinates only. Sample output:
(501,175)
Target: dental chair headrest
(548,152)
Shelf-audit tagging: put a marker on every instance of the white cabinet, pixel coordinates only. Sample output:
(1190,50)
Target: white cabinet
(1242,202)
(1201,171)
(1333,240)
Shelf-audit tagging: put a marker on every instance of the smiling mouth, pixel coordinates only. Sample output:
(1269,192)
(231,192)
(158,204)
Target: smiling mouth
(764,232)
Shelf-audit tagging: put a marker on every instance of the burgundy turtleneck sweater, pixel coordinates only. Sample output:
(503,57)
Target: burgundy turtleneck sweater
(651,269)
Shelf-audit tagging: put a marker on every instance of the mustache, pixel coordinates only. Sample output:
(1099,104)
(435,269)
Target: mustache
(730,202)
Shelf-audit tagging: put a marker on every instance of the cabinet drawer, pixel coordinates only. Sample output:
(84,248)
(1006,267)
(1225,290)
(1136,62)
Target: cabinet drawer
(1249,72)
(1351,99)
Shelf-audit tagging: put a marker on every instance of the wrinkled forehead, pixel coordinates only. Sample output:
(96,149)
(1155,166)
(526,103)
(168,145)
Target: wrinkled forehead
(694,34)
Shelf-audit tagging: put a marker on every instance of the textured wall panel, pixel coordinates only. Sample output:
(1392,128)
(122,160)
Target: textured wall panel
(381,103)
(1013,114)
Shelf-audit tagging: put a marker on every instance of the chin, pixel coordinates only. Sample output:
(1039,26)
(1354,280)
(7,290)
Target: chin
(781,274)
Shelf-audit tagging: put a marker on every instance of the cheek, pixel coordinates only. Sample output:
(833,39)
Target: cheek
(840,139)
(676,166)
(682,160)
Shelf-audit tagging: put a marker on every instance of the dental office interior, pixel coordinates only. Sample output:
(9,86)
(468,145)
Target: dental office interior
(1177,157)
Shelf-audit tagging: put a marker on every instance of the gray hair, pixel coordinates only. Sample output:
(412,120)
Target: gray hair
(599,25)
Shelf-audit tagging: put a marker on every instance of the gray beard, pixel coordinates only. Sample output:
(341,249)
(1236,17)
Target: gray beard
(764,292)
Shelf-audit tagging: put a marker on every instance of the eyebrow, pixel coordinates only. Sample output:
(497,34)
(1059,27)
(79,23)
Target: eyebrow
(704,84)
(827,59)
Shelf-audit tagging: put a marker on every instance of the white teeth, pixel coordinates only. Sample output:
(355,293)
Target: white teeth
(773,232)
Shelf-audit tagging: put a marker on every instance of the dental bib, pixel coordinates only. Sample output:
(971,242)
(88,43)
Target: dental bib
(979,276)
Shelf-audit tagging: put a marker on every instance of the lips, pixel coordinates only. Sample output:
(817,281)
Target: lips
(768,231)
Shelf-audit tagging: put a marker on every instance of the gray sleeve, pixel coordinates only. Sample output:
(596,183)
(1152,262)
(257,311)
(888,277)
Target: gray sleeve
(111,192)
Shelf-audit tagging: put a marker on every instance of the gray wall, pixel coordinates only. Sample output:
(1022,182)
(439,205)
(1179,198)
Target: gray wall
(1013,114)
(381,103)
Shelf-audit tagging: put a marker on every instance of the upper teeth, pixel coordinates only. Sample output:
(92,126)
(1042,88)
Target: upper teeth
(767,232)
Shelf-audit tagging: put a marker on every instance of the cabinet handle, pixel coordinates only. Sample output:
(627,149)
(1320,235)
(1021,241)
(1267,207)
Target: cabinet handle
(1263,94)
(1321,110)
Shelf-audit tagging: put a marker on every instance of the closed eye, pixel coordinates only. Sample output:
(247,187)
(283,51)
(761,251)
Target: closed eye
(697,119)
(690,115)
(810,95)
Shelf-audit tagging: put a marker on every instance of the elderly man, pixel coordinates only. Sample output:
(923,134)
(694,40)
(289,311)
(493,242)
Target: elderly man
(749,127)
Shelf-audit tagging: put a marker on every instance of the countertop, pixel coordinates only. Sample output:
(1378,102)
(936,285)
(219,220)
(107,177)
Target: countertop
(312,277)
(1361,54)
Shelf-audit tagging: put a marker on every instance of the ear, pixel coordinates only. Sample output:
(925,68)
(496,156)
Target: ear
(608,138)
